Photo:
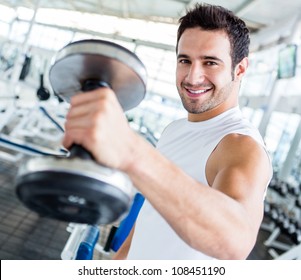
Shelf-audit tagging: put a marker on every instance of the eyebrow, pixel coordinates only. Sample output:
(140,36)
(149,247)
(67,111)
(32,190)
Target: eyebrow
(205,57)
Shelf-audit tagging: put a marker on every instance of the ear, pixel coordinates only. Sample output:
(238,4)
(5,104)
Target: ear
(241,68)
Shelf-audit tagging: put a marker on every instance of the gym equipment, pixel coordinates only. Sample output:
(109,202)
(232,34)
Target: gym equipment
(43,93)
(76,188)
(86,246)
(82,241)
(118,235)
(25,68)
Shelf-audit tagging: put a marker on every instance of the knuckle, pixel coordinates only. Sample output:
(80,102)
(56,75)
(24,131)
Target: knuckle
(95,119)
(92,135)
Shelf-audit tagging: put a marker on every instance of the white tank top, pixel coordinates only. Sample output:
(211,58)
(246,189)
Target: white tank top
(188,145)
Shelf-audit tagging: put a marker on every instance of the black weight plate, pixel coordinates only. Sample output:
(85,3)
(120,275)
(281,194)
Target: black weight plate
(72,198)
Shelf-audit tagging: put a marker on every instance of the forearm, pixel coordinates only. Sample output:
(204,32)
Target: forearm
(204,218)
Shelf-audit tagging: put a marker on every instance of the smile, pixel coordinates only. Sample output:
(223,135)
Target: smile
(197,92)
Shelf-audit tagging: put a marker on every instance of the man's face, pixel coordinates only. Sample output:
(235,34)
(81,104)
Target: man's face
(204,70)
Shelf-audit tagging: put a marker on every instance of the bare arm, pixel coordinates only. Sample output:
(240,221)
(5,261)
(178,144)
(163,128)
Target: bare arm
(221,221)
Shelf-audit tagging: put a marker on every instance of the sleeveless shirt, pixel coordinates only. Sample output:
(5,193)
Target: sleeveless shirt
(188,145)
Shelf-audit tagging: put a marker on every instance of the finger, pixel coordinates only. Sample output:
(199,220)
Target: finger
(73,136)
(81,110)
(88,103)
(90,96)
(80,122)
(67,141)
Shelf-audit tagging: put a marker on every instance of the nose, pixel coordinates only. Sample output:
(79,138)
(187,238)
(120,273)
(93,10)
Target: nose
(196,74)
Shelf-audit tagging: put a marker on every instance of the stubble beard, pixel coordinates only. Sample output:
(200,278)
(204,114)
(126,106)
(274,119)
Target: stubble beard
(194,106)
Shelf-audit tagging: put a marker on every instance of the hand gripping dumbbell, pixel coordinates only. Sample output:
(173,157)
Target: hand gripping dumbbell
(76,188)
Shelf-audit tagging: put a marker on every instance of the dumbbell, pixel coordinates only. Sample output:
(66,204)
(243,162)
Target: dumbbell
(298,202)
(273,213)
(282,188)
(267,208)
(76,188)
(296,234)
(274,182)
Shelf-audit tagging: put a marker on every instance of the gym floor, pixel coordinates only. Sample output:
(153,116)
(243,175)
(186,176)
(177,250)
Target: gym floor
(24,235)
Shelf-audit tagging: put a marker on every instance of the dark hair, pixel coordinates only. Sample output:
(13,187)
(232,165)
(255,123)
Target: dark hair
(210,17)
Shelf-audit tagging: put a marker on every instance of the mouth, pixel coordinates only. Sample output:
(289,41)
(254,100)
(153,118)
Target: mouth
(196,92)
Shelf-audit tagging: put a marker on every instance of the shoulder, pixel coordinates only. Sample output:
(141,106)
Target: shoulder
(239,149)
(241,153)
(234,142)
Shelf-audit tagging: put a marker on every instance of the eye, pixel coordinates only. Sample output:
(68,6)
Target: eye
(211,63)
(183,61)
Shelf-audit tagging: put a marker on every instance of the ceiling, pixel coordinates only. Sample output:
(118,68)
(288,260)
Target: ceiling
(257,13)
(270,21)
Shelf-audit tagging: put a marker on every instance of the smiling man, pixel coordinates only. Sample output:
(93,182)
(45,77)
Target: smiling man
(205,183)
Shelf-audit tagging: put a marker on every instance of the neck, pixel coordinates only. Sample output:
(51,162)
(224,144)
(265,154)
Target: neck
(221,108)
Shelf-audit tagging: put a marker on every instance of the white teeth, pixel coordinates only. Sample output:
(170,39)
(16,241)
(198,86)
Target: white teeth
(197,91)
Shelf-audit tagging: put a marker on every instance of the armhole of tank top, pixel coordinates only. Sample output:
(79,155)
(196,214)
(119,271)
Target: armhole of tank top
(209,154)
(261,143)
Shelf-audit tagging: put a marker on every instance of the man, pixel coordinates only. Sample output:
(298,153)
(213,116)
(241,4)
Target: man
(205,184)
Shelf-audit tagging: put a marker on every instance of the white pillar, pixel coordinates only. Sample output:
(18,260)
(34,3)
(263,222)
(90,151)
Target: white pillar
(288,164)
(269,107)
